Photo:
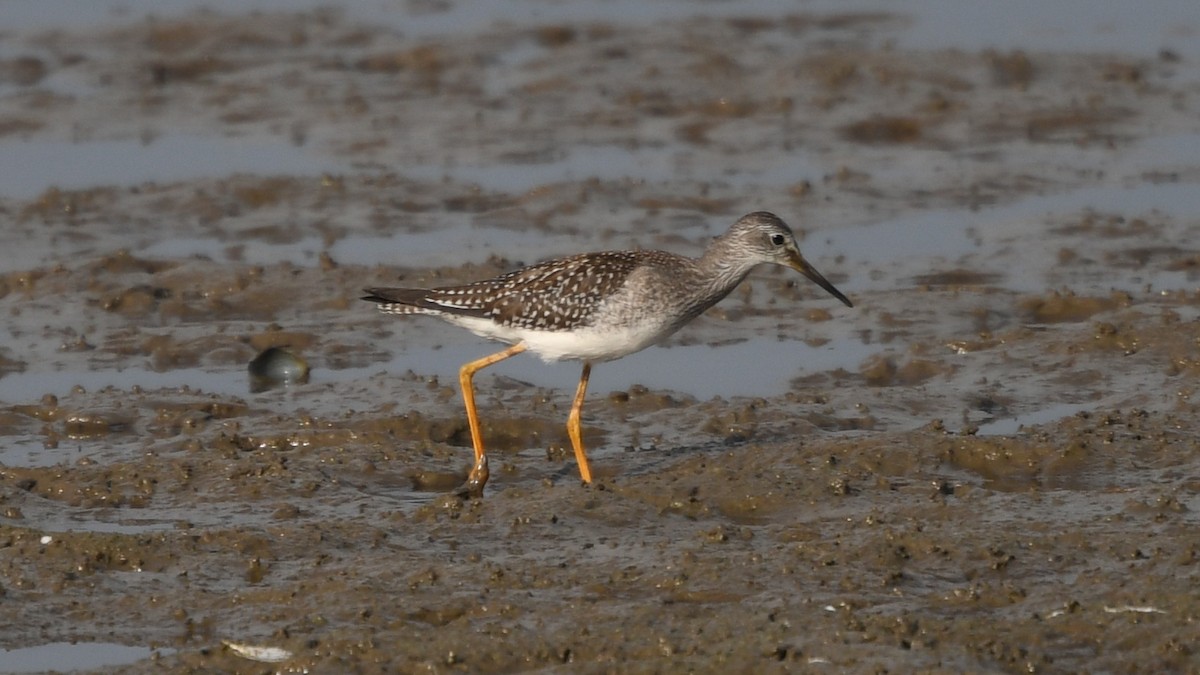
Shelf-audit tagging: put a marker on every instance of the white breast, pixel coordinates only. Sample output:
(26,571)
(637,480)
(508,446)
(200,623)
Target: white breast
(593,344)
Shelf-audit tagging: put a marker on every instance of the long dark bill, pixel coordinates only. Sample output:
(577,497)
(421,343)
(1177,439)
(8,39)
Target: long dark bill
(802,266)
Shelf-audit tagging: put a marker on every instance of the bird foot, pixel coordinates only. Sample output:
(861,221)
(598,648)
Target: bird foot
(473,488)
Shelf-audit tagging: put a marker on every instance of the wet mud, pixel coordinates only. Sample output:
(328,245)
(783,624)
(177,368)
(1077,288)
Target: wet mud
(213,452)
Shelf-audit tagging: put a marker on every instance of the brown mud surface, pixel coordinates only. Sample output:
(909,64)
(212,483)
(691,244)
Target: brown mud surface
(990,464)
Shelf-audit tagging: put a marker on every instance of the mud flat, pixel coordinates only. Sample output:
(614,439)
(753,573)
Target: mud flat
(989,465)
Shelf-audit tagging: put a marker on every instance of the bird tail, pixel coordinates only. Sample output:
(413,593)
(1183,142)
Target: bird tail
(398,300)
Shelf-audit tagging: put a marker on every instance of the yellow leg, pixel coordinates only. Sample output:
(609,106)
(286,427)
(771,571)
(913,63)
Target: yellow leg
(464,378)
(573,430)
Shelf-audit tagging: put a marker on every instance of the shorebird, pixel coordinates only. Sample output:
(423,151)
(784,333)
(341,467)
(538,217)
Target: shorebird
(596,307)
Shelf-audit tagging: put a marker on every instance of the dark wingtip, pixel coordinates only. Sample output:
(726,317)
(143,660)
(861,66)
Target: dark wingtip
(404,296)
(412,297)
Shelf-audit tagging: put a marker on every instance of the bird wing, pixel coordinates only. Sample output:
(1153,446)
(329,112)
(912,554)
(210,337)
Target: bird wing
(554,295)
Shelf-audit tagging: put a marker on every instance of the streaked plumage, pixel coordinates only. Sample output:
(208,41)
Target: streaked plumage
(597,307)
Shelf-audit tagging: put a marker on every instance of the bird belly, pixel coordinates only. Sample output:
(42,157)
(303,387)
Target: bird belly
(591,344)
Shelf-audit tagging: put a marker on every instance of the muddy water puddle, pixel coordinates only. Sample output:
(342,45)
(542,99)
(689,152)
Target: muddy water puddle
(67,657)
(75,165)
(987,465)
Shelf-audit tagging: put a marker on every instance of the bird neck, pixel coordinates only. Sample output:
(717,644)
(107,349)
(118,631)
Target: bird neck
(721,268)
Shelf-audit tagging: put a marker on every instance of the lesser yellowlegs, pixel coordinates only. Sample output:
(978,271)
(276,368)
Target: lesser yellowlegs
(598,307)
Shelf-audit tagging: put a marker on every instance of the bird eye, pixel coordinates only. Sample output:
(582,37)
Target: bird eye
(777,239)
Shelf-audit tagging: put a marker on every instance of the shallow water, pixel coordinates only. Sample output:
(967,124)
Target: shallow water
(77,165)
(68,657)
(986,465)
